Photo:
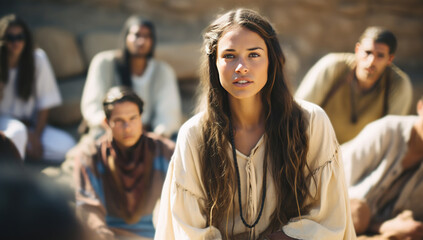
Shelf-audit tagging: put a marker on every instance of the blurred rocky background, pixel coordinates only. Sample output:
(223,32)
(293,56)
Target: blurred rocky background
(73,31)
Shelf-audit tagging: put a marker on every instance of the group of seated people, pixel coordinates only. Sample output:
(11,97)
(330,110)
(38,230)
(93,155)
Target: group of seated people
(132,107)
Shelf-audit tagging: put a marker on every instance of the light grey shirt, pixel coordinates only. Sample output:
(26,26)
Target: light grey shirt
(372,163)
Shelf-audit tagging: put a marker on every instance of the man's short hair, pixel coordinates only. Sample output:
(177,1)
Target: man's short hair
(118,95)
(381,35)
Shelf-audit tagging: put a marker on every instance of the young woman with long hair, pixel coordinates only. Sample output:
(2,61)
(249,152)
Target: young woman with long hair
(255,163)
(28,89)
(133,65)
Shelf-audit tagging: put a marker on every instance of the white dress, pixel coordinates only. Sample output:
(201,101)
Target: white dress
(46,95)
(183,195)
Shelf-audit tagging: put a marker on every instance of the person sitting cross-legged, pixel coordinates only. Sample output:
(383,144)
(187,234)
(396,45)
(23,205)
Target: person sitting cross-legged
(119,179)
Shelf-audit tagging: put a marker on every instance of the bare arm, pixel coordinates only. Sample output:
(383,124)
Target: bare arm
(35,147)
(41,122)
(403,226)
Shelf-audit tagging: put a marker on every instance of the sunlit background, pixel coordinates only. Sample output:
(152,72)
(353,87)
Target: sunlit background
(73,31)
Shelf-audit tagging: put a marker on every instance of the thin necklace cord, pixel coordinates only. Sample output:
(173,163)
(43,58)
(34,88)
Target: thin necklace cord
(231,135)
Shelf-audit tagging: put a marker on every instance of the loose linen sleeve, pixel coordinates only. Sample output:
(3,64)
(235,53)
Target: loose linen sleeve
(364,153)
(47,91)
(319,79)
(401,93)
(180,216)
(99,80)
(167,101)
(330,216)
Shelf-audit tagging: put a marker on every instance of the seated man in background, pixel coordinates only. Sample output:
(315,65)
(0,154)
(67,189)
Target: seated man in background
(384,172)
(120,179)
(355,90)
(134,66)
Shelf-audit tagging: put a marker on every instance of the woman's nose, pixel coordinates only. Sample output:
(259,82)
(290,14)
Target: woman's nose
(241,67)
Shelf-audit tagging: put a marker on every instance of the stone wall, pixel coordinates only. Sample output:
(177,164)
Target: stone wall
(308,29)
(75,30)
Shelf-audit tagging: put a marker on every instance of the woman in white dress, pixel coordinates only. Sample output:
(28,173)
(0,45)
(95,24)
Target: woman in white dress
(256,164)
(28,89)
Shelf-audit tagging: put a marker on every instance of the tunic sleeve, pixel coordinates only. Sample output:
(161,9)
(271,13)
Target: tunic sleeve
(48,94)
(330,214)
(319,79)
(363,153)
(99,80)
(330,217)
(167,101)
(401,93)
(180,215)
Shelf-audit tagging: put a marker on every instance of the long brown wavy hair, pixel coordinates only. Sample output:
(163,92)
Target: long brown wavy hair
(285,128)
(26,66)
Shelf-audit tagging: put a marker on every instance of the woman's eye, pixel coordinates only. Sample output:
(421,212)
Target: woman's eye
(228,56)
(254,55)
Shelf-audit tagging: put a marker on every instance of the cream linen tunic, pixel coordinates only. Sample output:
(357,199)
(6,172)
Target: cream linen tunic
(157,87)
(183,194)
(336,67)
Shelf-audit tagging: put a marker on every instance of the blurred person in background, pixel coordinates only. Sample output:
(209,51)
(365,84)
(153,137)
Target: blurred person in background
(28,90)
(384,172)
(133,65)
(33,208)
(119,180)
(356,89)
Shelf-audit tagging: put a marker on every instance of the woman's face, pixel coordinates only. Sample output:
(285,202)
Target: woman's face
(242,63)
(139,41)
(15,40)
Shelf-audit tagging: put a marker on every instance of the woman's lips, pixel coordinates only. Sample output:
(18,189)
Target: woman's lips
(242,82)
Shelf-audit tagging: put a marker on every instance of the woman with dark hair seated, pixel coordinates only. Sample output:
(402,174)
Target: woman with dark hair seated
(255,164)
(28,89)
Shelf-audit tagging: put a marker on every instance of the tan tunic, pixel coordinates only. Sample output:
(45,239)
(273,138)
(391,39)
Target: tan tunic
(183,194)
(369,105)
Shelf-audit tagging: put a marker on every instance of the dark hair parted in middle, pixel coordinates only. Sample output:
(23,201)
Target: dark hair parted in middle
(123,63)
(26,65)
(120,94)
(285,128)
